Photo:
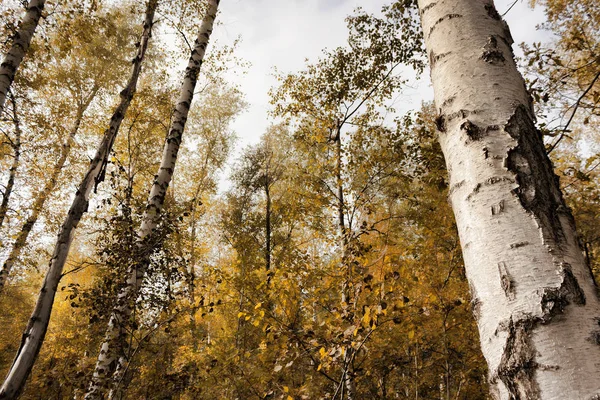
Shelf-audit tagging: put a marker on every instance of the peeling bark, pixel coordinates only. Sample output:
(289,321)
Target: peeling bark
(21,40)
(112,362)
(518,367)
(534,298)
(491,53)
(34,334)
(507,283)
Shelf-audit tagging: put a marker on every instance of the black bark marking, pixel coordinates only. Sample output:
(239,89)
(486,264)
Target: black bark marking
(518,366)
(427,7)
(440,123)
(462,114)
(595,337)
(519,244)
(506,281)
(488,182)
(555,300)
(457,185)
(473,131)
(434,58)
(538,190)
(474,191)
(498,208)
(448,101)
(475,302)
(445,17)
(492,12)
(491,53)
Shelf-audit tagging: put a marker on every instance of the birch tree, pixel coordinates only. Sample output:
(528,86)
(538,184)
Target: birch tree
(22,38)
(106,63)
(33,336)
(111,353)
(12,172)
(533,296)
(44,193)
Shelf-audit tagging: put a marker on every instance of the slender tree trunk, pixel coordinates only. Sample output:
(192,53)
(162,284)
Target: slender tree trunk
(533,295)
(239,341)
(44,194)
(268,229)
(22,39)
(341,220)
(192,275)
(111,352)
(348,375)
(12,173)
(33,336)
(192,265)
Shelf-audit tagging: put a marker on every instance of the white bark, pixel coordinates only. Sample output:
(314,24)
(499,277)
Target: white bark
(12,172)
(112,357)
(33,336)
(21,41)
(533,295)
(43,195)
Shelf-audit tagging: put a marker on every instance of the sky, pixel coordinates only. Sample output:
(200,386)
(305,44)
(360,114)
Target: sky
(282,34)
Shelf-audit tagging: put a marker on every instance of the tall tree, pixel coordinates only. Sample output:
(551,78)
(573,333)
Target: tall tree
(104,59)
(111,353)
(12,172)
(34,334)
(22,39)
(534,298)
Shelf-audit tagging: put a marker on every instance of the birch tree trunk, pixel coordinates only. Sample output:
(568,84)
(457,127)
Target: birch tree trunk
(267,188)
(12,172)
(112,357)
(348,370)
(43,194)
(33,336)
(21,41)
(533,295)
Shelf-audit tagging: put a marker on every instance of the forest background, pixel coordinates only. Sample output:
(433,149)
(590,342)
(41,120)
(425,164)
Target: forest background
(244,296)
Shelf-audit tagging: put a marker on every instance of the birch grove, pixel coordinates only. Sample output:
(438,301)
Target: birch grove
(349,240)
(34,334)
(12,59)
(43,195)
(12,173)
(533,296)
(111,352)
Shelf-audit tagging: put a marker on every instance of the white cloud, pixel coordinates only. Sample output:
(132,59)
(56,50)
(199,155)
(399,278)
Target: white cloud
(284,33)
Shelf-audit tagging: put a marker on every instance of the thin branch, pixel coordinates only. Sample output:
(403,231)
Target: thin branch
(574,112)
(510,8)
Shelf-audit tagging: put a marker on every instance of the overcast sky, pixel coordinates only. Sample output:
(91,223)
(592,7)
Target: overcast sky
(283,33)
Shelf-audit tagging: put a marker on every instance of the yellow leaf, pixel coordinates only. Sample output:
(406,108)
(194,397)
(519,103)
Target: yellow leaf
(286,389)
(257,306)
(411,334)
(319,367)
(240,314)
